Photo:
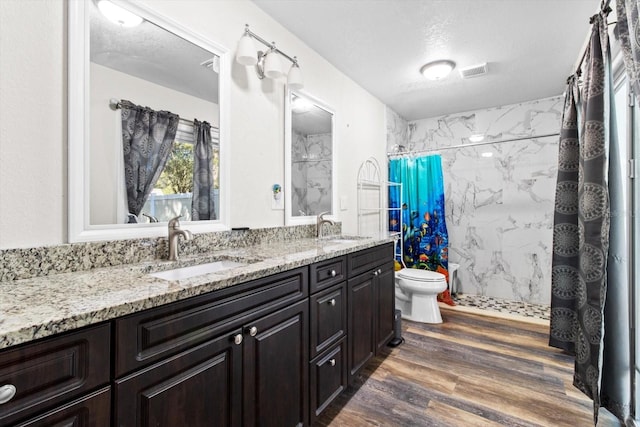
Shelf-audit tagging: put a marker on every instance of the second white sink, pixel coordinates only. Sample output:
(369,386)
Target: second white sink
(197,270)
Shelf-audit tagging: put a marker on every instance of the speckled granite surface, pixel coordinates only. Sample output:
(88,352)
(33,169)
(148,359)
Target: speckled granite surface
(42,306)
(34,262)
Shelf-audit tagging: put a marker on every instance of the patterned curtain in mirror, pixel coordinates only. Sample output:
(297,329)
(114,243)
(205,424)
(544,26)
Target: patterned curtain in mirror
(202,204)
(147,137)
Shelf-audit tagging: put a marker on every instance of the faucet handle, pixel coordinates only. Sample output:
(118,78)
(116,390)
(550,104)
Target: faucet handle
(174,222)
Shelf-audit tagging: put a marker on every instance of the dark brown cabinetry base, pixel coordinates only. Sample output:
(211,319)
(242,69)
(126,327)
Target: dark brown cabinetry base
(276,351)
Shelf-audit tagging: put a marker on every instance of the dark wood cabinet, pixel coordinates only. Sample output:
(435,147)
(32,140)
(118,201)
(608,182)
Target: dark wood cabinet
(328,377)
(271,352)
(328,318)
(386,304)
(253,369)
(276,370)
(92,410)
(153,335)
(361,326)
(198,387)
(371,304)
(327,273)
(53,371)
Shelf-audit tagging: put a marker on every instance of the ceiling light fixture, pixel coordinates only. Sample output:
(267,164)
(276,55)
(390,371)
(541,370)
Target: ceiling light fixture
(437,70)
(268,64)
(118,15)
(476,137)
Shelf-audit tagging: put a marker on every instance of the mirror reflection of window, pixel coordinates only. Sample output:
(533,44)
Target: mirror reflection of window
(311,157)
(151,67)
(173,193)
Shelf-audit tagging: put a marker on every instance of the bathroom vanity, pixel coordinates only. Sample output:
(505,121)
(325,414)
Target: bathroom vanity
(271,350)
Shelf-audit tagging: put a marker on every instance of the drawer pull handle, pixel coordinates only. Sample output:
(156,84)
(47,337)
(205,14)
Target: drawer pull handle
(237,339)
(332,302)
(7,392)
(253,331)
(332,362)
(333,273)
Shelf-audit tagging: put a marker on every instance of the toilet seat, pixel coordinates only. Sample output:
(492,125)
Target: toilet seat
(420,275)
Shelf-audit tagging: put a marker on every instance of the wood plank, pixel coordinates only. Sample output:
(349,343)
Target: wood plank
(471,370)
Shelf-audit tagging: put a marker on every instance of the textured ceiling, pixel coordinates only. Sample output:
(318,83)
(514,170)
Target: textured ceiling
(530,46)
(154,54)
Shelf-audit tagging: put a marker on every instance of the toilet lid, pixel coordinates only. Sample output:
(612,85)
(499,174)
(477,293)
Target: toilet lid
(420,275)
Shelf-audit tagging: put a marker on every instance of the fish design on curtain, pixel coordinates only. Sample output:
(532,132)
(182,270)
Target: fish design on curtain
(424,230)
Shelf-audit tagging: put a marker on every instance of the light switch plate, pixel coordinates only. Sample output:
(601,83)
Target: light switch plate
(344,203)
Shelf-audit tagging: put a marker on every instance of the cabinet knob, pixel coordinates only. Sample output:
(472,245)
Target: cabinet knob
(253,331)
(332,362)
(375,273)
(333,273)
(237,339)
(379,271)
(332,302)
(7,392)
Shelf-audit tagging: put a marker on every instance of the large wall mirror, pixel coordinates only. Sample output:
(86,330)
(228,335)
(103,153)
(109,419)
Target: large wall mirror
(309,158)
(147,124)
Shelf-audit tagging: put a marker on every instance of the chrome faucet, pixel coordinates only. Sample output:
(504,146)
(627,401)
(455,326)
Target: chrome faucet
(321,221)
(174,232)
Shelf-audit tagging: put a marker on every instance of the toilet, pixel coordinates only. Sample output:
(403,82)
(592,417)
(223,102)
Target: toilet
(416,294)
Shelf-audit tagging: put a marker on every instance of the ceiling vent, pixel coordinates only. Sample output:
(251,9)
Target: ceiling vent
(474,70)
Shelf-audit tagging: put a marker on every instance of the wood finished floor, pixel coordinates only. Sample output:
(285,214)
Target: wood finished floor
(471,370)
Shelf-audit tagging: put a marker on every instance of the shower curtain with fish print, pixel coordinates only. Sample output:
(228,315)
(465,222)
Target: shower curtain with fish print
(424,231)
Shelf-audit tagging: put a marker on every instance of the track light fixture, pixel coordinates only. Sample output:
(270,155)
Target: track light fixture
(268,63)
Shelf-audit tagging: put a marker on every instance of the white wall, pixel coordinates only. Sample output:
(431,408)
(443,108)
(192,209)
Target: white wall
(32,123)
(33,90)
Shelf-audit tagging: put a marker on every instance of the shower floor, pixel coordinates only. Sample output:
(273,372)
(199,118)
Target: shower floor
(514,308)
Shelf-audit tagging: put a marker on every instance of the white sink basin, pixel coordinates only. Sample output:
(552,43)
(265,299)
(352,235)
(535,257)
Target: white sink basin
(342,240)
(197,270)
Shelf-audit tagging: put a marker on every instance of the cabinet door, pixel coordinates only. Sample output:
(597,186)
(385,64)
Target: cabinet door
(93,410)
(276,368)
(361,326)
(386,302)
(198,387)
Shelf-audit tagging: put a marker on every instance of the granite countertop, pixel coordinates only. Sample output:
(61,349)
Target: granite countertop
(43,306)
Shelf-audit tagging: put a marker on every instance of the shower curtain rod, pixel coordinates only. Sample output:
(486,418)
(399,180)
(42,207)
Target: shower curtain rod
(604,7)
(474,144)
(114,104)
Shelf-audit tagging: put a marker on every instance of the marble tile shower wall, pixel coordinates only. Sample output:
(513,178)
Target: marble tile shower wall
(499,197)
(311,173)
(397,129)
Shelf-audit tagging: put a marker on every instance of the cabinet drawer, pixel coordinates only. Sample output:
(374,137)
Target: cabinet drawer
(93,410)
(359,262)
(328,318)
(328,378)
(328,273)
(147,337)
(53,371)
